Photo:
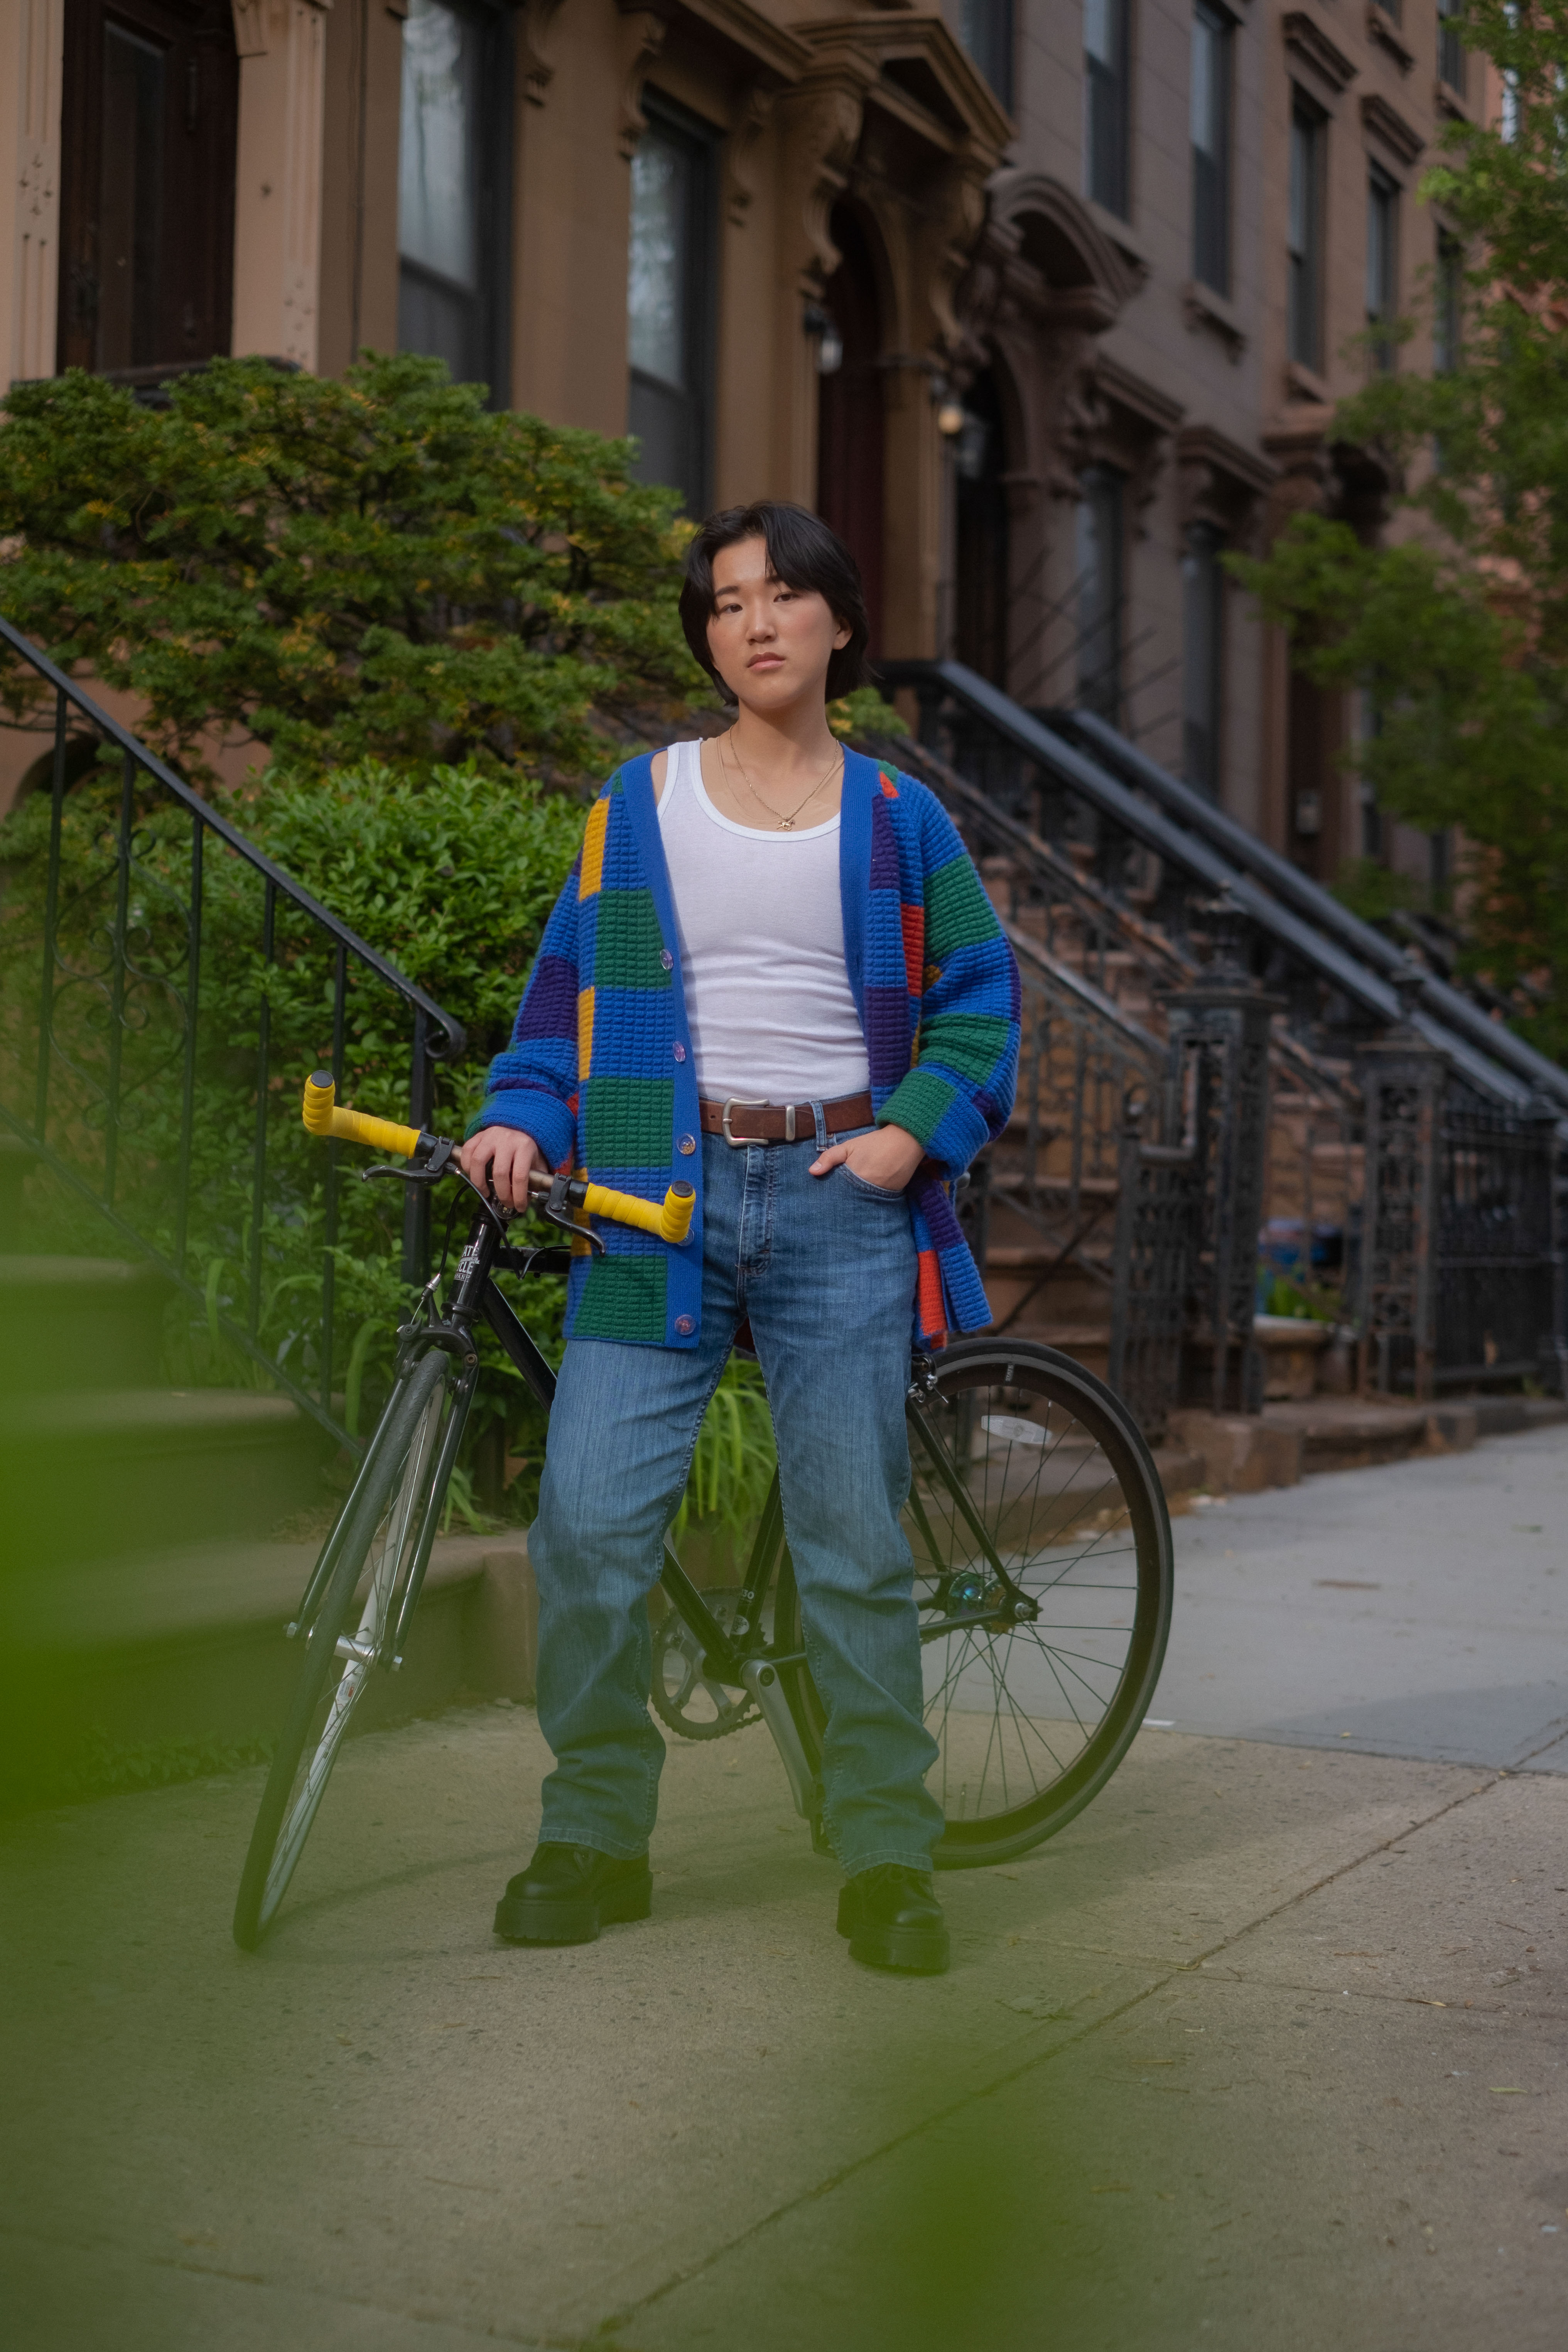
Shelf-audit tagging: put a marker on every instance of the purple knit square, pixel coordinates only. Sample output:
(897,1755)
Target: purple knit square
(887,1034)
(884,849)
(549,1007)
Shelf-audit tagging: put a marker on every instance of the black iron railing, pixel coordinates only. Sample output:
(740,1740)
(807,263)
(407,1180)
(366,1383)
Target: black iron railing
(1450,1261)
(167,986)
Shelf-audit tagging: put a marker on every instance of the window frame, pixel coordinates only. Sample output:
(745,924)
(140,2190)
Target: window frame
(1451,51)
(1211,257)
(1382,224)
(492,297)
(666,117)
(1105,624)
(1304,308)
(988,31)
(1205,542)
(1107,99)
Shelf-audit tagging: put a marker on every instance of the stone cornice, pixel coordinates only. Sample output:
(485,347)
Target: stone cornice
(1310,47)
(752,38)
(974,119)
(1396,135)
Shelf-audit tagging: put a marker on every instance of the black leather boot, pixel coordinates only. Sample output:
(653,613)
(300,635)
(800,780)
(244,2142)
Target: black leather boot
(893,1920)
(569,1892)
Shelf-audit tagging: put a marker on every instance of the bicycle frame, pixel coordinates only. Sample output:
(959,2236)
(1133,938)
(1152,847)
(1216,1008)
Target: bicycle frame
(739,1656)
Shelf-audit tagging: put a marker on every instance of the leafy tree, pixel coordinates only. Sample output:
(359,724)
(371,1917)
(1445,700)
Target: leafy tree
(375,567)
(1459,630)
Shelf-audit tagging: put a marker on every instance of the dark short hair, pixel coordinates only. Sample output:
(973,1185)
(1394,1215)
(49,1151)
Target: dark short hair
(804,553)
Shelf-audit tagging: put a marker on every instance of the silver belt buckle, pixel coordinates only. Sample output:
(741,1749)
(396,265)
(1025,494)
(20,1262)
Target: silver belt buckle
(741,1102)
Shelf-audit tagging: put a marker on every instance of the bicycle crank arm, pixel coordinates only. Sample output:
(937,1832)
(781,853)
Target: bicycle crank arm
(762,1682)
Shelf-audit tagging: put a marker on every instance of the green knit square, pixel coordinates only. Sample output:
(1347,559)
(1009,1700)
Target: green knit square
(970,1043)
(958,913)
(623,1298)
(626,1122)
(918,1103)
(626,944)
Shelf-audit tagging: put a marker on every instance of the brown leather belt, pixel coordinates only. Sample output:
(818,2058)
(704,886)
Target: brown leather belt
(739,1121)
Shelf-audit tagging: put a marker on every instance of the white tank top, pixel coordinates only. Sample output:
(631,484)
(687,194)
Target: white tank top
(761,950)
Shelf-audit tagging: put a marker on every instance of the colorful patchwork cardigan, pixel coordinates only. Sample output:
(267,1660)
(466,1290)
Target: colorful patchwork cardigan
(599,1071)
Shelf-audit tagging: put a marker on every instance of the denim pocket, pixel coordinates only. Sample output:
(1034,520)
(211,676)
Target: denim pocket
(872,1191)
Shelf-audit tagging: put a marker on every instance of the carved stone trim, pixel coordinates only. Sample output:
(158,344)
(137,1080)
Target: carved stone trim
(1310,47)
(251,28)
(1221,482)
(1380,31)
(1074,250)
(1382,123)
(536,25)
(822,121)
(640,37)
(750,121)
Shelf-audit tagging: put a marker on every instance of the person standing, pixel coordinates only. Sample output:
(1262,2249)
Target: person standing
(773,971)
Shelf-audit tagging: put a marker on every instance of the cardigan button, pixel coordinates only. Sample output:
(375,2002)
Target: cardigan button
(679,1050)
(685,1325)
(666,959)
(687,1143)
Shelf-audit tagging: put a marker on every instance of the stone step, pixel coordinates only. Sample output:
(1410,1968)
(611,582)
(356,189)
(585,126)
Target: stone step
(187,1643)
(89,1473)
(77,1323)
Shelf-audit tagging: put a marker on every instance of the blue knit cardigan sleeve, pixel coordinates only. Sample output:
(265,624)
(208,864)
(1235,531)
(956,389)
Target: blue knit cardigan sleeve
(532,1084)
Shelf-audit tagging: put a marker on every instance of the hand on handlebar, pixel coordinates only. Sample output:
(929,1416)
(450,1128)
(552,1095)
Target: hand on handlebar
(498,1159)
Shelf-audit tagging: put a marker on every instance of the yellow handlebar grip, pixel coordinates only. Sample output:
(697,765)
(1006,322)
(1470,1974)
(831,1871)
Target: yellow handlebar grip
(670,1218)
(322,1116)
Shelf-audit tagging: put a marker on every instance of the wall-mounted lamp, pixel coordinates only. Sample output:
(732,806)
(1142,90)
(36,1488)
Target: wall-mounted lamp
(820,328)
(950,419)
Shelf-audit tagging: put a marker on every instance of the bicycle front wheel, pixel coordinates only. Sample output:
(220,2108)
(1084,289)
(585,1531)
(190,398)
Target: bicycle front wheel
(364,1591)
(1031,1490)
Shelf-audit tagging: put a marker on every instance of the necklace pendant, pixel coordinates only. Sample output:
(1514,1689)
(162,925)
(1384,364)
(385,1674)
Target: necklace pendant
(786,825)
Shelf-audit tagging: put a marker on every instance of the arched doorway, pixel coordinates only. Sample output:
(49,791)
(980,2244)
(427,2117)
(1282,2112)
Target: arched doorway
(849,412)
(981,554)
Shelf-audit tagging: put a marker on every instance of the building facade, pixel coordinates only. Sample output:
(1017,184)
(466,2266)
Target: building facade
(1044,303)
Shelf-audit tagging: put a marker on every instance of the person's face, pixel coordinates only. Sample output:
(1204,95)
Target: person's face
(770,643)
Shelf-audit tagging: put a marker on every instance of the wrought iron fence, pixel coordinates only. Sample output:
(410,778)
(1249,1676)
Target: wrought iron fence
(166,987)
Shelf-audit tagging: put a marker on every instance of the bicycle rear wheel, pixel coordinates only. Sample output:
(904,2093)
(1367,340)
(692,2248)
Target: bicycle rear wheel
(372,1574)
(1021,1459)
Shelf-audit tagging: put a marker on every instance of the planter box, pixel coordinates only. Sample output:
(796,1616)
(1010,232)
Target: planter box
(1290,1345)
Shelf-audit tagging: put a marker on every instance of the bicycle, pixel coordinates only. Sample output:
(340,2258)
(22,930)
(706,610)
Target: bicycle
(1040,1537)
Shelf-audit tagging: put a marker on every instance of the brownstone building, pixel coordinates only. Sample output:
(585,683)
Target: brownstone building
(1045,303)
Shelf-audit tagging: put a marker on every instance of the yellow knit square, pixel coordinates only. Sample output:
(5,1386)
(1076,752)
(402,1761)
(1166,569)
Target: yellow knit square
(584,1032)
(594,849)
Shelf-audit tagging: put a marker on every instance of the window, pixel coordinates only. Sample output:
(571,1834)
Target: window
(149,124)
(1382,265)
(452,188)
(1099,549)
(1211,149)
(1105,102)
(1450,48)
(669,302)
(985,28)
(1447,304)
(1308,132)
(1203,641)
(1391,9)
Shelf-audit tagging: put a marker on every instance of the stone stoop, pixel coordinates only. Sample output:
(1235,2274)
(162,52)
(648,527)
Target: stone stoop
(1244,1453)
(188,1643)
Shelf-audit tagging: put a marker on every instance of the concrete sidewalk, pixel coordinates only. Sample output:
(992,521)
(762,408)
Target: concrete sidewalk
(1267,2050)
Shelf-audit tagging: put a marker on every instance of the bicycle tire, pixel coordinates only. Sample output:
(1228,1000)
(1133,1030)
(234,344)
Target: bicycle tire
(991,1395)
(388,1516)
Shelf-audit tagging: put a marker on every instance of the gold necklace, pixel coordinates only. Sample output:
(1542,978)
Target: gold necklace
(785,824)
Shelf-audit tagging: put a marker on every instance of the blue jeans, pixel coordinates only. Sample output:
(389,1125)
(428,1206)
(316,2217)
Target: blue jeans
(824,1269)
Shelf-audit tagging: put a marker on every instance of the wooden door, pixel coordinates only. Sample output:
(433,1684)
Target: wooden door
(149,128)
(850,413)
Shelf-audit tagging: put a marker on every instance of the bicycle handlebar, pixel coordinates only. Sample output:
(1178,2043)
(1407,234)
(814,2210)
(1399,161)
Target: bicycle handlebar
(669,1219)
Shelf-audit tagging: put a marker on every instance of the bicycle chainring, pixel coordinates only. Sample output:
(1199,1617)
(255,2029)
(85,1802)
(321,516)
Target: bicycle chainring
(685,1697)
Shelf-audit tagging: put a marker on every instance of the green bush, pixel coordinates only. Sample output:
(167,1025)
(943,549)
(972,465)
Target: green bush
(371,567)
